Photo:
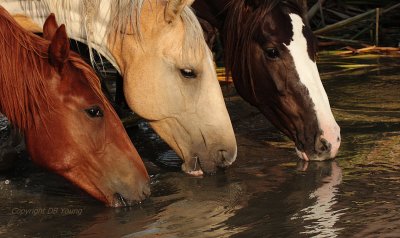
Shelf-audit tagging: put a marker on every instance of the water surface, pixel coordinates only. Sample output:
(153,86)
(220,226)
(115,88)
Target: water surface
(266,193)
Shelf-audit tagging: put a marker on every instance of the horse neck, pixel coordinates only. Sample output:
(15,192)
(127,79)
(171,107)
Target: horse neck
(86,28)
(213,11)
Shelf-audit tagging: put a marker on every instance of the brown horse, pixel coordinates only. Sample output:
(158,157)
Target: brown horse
(271,55)
(55,99)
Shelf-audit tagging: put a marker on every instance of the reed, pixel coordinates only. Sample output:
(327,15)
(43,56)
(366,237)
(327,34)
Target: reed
(355,23)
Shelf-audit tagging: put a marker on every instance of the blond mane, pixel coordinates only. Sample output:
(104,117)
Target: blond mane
(123,12)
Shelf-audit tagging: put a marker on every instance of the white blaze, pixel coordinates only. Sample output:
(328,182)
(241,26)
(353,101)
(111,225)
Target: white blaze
(309,77)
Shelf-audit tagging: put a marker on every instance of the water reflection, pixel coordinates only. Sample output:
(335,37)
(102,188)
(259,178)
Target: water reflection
(321,214)
(240,203)
(299,206)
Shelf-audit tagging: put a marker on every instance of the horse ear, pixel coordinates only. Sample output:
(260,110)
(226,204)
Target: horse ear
(59,48)
(174,9)
(50,27)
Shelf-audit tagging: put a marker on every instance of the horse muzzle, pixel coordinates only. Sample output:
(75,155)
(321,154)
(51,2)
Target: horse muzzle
(121,201)
(124,199)
(325,147)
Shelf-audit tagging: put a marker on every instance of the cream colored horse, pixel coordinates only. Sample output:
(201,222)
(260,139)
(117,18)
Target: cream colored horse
(169,75)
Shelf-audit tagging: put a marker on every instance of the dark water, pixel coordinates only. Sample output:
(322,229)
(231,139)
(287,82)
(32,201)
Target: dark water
(266,193)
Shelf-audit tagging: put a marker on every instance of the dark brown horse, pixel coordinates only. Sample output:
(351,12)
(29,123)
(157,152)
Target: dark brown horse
(55,99)
(271,56)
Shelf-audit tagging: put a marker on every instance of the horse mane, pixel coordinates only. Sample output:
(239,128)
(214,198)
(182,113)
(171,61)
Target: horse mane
(120,11)
(241,24)
(24,67)
(132,9)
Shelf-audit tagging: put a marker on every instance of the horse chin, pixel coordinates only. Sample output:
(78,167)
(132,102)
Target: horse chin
(196,173)
(198,165)
(193,167)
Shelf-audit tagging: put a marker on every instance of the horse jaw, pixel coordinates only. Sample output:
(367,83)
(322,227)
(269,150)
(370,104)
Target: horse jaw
(309,77)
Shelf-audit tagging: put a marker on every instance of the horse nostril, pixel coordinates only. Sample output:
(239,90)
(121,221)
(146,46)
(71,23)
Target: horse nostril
(324,145)
(225,158)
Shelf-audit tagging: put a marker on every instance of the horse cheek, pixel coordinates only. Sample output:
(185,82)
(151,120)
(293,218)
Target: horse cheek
(52,157)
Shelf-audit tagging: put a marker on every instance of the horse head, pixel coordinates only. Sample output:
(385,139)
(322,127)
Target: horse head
(271,54)
(170,80)
(78,135)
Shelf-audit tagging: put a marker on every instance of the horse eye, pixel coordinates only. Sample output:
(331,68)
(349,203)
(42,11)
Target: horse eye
(94,111)
(272,53)
(188,73)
